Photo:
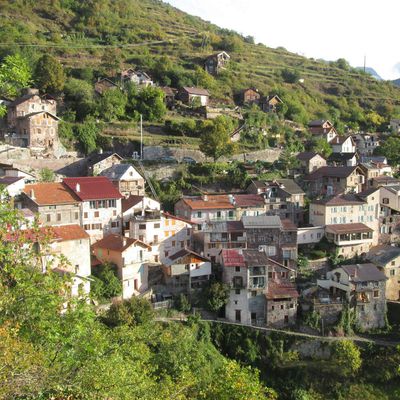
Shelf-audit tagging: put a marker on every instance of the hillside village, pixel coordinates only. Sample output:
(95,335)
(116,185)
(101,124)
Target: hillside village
(315,240)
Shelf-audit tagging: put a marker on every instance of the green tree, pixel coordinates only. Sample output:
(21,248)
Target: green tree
(148,101)
(217,296)
(106,283)
(216,141)
(79,97)
(87,133)
(390,148)
(49,74)
(346,356)
(290,76)
(321,146)
(46,175)
(15,74)
(112,105)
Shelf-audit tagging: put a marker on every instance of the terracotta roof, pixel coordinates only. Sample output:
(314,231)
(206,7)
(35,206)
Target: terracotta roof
(69,232)
(356,227)
(335,172)
(92,188)
(248,200)
(288,225)
(283,290)
(232,258)
(186,252)
(196,91)
(118,243)
(212,202)
(50,193)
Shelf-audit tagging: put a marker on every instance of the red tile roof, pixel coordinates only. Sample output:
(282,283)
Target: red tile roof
(93,188)
(232,258)
(69,232)
(50,194)
(118,243)
(283,290)
(131,201)
(171,216)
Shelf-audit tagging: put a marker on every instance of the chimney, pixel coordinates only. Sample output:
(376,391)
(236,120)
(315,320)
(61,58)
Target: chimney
(100,151)
(204,197)
(33,194)
(77,187)
(124,241)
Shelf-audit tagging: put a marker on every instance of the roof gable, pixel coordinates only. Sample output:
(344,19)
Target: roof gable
(92,188)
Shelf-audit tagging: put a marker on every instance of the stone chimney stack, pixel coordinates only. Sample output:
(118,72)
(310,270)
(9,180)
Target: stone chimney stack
(33,194)
(77,187)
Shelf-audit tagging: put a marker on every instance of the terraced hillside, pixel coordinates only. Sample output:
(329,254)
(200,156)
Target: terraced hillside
(105,35)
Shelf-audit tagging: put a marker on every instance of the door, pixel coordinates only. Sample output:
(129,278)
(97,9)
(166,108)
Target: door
(238,317)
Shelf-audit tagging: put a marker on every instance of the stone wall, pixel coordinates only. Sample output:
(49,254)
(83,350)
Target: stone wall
(330,313)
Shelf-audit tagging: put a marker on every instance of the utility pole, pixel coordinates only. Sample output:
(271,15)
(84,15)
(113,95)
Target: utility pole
(141,137)
(365,62)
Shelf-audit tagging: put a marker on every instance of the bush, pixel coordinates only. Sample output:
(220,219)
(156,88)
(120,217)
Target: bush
(106,283)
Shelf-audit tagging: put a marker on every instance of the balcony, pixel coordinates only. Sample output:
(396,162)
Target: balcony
(349,234)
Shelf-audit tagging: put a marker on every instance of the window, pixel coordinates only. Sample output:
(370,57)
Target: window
(48,217)
(156,226)
(96,214)
(182,243)
(237,291)
(155,239)
(142,226)
(198,214)
(58,217)
(92,204)
(85,215)
(376,293)
(238,315)
(115,224)
(141,238)
(112,203)
(86,227)
(392,272)
(114,213)
(253,293)
(187,267)
(76,215)
(237,269)
(173,243)
(281,306)
(393,263)
(76,268)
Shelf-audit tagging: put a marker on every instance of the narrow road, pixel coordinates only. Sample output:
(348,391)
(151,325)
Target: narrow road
(359,339)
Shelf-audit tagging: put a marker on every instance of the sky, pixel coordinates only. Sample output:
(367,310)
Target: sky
(327,29)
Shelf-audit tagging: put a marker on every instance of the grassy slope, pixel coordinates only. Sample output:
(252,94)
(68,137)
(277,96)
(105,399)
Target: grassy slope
(132,24)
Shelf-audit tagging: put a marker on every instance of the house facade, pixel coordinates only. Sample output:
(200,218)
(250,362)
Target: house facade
(362,287)
(250,96)
(192,95)
(139,78)
(126,179)
(98,162)
(215,63)
(130,256)
(343,144)
(270,103)
(310,161)
(101,211)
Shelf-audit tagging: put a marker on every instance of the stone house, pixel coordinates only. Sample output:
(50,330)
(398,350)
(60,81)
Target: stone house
(219,235)
(191,95)
(130,256)
(366,143)
(215,63)
(322,129)
(98,162)
(54,203)
(126,179)
(101,212)
(270,103)
(362,287)
(395,125)
(387,259)
(282,197)
(372,170)
(329,181)
(250,96)
(252,275)
(389,228)
(186,271)
(139,78)
(32,121)
(309,162)
(342,160)
(169,96)
(276,237)
(137,205)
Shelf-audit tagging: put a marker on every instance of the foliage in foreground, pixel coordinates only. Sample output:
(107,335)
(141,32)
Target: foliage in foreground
(46,354)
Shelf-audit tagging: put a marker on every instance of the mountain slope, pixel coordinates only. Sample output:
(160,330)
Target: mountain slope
(96,33)
(371,72)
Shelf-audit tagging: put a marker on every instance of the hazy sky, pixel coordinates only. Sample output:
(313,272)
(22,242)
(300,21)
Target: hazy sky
(328,29)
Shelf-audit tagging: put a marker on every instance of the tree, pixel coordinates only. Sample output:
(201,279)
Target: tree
(86,133)
(347,357)
(290,76)
(148,101)
(112,105)
(46,175)
(391,149)
(216,141)
(15,74)
(49,74)
(321,146)
(106,283)
(217,296)
(79,97)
